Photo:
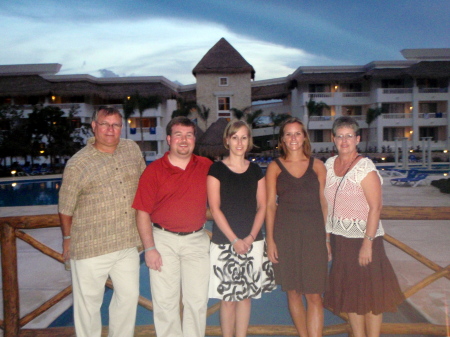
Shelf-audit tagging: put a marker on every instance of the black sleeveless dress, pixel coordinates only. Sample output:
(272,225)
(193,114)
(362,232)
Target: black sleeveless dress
(299,233)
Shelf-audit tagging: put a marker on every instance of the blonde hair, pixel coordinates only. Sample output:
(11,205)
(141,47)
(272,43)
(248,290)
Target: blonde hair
(306,143)
(231,129)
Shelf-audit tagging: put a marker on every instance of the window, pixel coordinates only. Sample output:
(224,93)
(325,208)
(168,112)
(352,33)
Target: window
(428,108)
(394,108)
(223,81)
(319,87)
(429,132)
(392,83)
(389,134)
(223,103)
(351,87)
(316,136)
(76,123)
(146,122)
(352,110)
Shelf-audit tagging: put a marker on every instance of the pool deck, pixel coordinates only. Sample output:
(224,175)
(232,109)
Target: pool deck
(41,277)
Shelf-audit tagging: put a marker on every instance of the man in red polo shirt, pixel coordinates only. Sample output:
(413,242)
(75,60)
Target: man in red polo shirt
(171,213)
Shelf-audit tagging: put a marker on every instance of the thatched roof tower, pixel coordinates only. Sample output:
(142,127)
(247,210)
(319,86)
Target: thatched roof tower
(222,58)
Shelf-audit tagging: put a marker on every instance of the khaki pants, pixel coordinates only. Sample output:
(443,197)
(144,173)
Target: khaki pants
(88,280)
(185,269)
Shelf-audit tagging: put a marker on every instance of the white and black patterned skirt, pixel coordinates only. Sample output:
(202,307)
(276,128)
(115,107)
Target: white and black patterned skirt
(237,277)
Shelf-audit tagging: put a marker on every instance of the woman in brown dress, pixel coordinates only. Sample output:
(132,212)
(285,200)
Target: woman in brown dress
(295,226)
(362,281)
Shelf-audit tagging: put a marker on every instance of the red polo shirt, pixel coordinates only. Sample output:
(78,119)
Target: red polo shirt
(174,198)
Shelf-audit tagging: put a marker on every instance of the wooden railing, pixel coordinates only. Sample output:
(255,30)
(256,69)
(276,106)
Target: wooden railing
(12,228)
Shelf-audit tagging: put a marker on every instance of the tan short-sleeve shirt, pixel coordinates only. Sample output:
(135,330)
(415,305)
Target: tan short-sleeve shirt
(97,191)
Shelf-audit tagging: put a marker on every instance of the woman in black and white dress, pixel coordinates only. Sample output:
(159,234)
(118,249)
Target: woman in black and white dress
(240,269)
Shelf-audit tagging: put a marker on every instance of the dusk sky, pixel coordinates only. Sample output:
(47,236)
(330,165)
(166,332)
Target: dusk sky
(168,38)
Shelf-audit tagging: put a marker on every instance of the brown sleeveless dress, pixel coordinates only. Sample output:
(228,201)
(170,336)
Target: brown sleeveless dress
(299,233)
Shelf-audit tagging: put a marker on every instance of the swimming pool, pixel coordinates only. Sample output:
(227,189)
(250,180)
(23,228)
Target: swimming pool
(29,192)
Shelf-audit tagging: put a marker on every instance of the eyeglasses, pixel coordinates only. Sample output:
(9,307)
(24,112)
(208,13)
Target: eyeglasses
(106,126)
(348,136)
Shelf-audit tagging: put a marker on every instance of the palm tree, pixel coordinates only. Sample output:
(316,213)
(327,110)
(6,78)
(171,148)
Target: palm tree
(238,114)
(184,108)
(250,116)
(277,119)
(128,110)
(315,109)
(142,103)
(371,116)
(203,113)
(253,116)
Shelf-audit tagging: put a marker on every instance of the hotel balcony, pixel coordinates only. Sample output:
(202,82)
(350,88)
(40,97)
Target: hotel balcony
(338,98)
(389,95)
(432,94)
(320,122)
(150,134)
(433,119)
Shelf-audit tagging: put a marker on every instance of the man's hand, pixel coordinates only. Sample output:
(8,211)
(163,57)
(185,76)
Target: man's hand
(66,249)
(153,260)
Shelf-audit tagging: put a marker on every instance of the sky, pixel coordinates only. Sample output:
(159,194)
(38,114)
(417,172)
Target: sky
(168,38)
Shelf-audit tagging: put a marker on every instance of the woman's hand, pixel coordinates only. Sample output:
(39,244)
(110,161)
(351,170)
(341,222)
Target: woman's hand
(241,247)
(365,253)
(330,256)
(272,252)
(248,240)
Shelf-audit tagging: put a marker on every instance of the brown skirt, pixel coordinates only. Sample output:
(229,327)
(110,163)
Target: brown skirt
(360,290)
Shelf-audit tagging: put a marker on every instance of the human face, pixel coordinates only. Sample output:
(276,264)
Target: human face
(294,137)
(346,140)
(238,143)
(181,141)
(107,129)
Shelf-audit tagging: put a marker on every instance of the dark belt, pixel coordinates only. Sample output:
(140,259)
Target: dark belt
(177,233)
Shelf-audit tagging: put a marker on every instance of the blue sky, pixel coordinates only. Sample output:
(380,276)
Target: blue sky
(168,38)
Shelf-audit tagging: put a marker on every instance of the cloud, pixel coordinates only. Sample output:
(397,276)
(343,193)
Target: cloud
(107,73)
(156,38)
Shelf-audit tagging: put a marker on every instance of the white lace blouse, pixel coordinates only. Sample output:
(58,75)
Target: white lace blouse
(348,208)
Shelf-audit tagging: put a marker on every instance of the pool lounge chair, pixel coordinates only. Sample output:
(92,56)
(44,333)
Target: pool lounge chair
(411,181)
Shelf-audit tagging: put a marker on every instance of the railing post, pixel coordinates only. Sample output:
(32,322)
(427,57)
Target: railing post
(11,309)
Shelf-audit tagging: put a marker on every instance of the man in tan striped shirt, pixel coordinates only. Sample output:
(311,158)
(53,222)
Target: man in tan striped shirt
(99,227)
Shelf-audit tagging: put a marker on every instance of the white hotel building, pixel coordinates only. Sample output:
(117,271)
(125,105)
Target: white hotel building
(413,94)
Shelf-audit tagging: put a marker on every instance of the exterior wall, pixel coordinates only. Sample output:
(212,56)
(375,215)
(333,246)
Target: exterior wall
(208,89)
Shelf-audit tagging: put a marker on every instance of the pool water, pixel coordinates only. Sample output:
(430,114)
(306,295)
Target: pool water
(29,193)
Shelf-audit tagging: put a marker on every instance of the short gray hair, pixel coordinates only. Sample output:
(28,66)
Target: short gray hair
(108,110)
(345,121)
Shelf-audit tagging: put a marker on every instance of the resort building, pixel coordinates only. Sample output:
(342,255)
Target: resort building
(412,97)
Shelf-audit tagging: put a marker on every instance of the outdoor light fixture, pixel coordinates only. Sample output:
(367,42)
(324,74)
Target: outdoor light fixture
(13,172)
(41,152)
(445,151)
(382,158)
(53,98)
(129,121)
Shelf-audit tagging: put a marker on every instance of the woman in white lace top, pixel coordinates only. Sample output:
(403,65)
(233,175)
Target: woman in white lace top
(362,281)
